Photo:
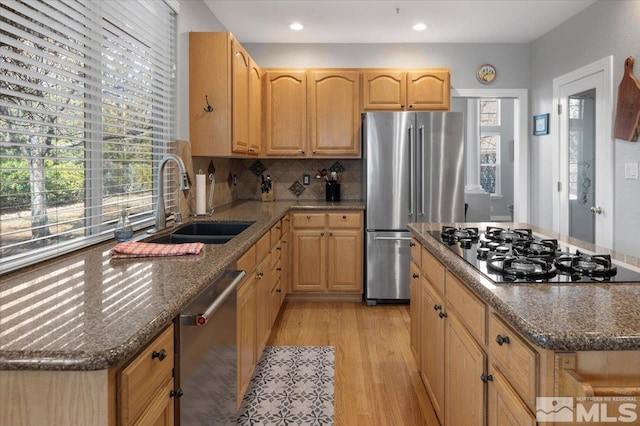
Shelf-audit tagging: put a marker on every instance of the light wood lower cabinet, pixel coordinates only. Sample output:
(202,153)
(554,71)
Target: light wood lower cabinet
(464,366)
(432,349)
(327,252)
(505,407)
(145,385)
(415,310)
(246,333)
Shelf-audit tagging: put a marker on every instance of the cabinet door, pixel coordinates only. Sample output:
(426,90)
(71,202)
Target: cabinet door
(240,93)
(384,90)
(309,260)
(246,332)
(263,302)
(255,108)
(415,310)
(464,393)
(428,90)
(334,113)
(345,260)
(286,113)
(432,349)
(160,411)
(505,407)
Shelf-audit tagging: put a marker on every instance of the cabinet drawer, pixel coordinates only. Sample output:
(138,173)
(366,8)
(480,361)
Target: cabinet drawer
(247,262)
(276,272)
(517,361)
(416,250)
(285,224)
(147,373)
(433,270)
(470,308)
(276,253)
(262,247)
(345,220)
(275,233)
(308,220)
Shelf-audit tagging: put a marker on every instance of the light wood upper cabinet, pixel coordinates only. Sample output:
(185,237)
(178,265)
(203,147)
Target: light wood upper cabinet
(220,70)
(255,108)
(411,90)
(334,113)
(286,113)
(384,90)
(429,90)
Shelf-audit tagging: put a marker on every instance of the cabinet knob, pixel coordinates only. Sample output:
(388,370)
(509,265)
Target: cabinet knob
(284,241)
(278,248)
(410,106)
(344,216)
(502,340)
(302,151)
(415,275)
(412,244)
(278,269)
(309,217)
(279,291)
(437,307)
(442,315)
(277,227)
(331,234)
(486,378)
(160,355)
(401,105)
(287,219)
(322,234)
(259,275)
(176,393)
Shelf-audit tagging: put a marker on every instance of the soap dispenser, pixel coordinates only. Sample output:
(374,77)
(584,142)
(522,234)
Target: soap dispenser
(124,230)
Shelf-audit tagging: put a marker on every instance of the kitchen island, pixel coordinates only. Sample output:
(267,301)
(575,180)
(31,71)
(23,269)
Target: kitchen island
(81,317)
(518,341)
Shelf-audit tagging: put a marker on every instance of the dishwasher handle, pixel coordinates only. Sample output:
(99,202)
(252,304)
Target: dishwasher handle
(201,319)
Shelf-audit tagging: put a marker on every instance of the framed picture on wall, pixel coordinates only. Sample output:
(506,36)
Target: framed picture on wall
(541,124)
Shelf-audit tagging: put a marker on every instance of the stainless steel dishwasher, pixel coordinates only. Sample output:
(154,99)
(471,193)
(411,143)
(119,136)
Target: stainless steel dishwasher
(207,353)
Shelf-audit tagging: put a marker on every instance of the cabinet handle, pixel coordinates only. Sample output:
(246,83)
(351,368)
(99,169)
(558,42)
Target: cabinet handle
(486,378)
(502,340)
(401,105)
(412,244)
(286,219)
(278,269)
(322,234)
(415,275)
(344,216)
(437,307)
(278,291)
(160,355)
(278,248)
(277,227)
(259,275)
(442,315)
(410,106)
(176,393)
(331,234)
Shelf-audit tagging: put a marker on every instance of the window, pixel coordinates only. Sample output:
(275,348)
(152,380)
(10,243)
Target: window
(87,91)
(490,145)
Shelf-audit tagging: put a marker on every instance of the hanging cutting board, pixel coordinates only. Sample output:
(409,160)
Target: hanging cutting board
(628,110)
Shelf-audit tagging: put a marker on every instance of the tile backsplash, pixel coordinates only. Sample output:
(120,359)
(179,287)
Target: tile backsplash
(284,174)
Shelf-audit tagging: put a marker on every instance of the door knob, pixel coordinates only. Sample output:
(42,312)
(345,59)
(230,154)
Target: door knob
(596,210)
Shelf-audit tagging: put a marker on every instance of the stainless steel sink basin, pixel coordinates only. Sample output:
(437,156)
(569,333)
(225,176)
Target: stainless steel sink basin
(203,232)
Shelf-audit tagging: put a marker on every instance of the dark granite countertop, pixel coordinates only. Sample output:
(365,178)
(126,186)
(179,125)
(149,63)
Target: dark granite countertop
(562,317)
(86,311)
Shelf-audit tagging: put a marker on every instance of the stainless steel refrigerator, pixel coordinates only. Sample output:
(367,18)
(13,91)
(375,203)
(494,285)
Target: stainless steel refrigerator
(414,172)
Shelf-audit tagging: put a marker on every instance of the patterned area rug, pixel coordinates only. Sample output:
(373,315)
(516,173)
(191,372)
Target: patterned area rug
(292,385)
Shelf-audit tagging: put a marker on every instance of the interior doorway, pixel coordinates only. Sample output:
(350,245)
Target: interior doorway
(518,100)
(583,166)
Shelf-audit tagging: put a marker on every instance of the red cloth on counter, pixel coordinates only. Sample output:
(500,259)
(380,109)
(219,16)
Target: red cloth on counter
(139,249)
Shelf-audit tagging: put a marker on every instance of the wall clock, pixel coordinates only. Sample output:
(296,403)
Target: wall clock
(486,73)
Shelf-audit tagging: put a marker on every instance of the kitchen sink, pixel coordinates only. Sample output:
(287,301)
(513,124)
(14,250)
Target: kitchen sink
(203,232)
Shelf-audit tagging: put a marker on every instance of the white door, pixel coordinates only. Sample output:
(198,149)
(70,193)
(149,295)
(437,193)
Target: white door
(583,205)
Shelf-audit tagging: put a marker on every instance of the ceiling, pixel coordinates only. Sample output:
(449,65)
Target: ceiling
(382,21)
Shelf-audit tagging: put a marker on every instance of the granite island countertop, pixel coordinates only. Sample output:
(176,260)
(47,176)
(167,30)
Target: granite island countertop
(86,311)
(558,316)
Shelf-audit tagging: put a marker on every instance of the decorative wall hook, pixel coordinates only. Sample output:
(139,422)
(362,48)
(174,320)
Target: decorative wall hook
(209,108)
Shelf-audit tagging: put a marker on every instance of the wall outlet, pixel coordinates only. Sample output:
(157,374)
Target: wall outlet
(306,180)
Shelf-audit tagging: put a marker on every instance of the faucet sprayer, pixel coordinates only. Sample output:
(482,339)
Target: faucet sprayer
(160,214)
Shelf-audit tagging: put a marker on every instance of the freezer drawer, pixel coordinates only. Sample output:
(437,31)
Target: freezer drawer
(388,257)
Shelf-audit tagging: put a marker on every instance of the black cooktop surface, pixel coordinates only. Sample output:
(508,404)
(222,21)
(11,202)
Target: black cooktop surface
(517,255)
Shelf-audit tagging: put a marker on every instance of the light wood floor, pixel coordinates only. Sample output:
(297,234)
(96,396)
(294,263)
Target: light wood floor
(377,380)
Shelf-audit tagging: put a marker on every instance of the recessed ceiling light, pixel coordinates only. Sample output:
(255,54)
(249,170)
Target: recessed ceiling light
(420,26)
(296,26)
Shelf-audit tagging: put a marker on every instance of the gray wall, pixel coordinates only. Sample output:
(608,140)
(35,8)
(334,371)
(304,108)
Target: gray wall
(606,28)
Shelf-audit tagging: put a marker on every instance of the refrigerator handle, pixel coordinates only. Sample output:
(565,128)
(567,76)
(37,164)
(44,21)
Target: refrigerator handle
(412,172)
(421,193)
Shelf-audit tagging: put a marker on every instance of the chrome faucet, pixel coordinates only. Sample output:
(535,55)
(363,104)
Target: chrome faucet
(161,219)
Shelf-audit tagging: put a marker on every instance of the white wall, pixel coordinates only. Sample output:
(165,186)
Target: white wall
(605,28)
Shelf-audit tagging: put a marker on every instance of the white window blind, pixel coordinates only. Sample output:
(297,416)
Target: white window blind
(87,91)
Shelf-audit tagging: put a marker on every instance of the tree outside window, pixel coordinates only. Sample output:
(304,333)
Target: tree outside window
(490,145)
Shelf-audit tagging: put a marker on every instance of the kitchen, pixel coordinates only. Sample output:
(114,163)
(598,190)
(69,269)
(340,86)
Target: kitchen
(529,66)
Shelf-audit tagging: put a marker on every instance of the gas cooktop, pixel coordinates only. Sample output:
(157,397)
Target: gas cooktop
(516,255)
